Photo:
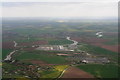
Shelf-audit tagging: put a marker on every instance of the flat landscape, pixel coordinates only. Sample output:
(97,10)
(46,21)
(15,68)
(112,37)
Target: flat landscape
(43,48)
(73,72)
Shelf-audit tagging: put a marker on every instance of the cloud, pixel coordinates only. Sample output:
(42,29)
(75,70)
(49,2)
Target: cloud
(70,9)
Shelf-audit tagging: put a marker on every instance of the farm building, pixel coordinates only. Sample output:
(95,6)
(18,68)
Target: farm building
(63,54)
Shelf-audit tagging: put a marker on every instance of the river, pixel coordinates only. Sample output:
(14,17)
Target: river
(74,42)
(9,57)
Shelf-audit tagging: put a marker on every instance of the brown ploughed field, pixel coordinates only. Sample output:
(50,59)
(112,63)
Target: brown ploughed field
(73,72)
(113,48)
(42,63)
(8,45)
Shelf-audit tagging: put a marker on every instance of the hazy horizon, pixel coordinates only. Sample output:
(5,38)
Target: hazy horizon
(84,10)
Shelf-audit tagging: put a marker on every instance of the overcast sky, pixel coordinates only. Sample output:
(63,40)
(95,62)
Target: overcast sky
(83,9)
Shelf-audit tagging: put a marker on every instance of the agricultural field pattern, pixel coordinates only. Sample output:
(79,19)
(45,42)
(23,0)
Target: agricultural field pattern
(59,48)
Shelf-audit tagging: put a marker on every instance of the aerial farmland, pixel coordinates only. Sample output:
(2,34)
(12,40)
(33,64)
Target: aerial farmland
(41,50)
(59,41)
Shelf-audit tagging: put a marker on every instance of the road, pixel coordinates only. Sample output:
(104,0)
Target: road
(63,72)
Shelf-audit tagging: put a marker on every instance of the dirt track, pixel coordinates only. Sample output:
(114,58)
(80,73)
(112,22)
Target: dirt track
(73,72)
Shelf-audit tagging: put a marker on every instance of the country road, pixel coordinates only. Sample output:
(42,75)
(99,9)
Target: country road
(63,72)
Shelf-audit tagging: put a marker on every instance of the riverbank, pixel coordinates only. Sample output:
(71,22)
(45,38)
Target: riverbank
(9,57)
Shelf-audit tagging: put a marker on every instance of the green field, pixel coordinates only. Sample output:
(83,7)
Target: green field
(5,52)
(101,71)
(51,59)
(59,42)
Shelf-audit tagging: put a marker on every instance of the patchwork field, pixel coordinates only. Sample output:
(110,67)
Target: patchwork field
(28,62)
(113,56)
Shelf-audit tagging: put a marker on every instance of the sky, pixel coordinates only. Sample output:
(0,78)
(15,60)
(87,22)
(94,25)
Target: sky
(63,8)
